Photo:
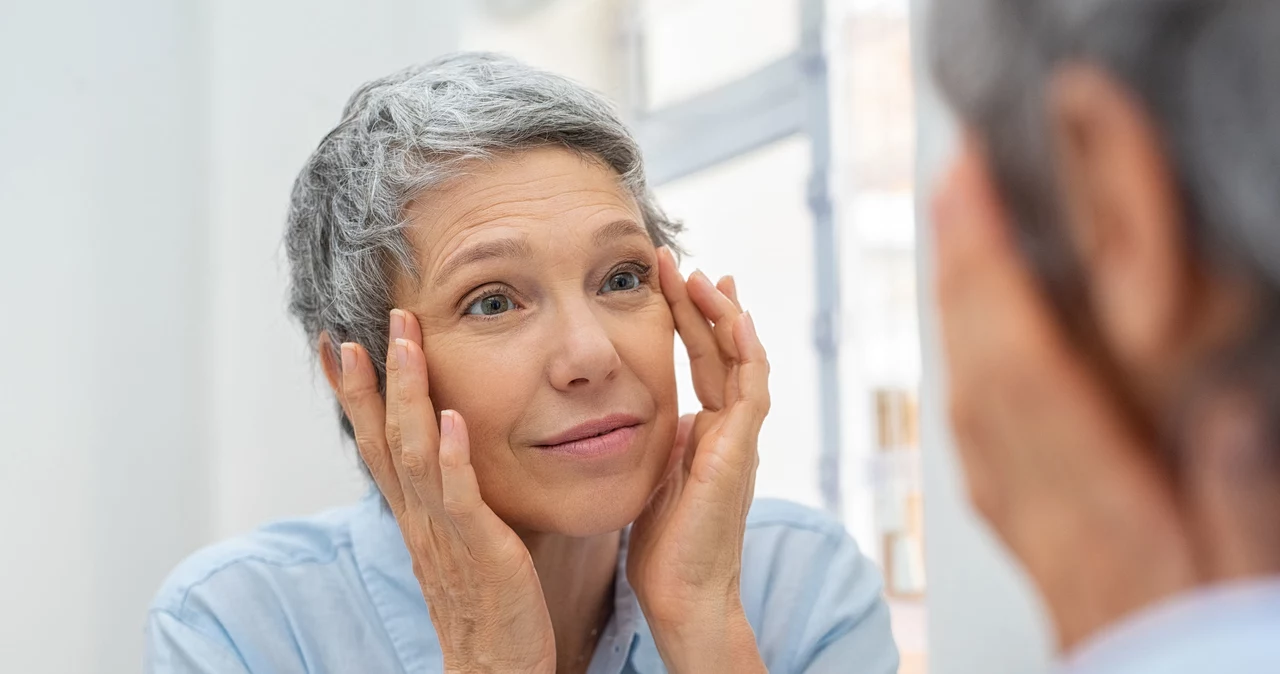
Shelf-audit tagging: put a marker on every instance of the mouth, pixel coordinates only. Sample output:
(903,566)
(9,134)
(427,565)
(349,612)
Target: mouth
(607,435)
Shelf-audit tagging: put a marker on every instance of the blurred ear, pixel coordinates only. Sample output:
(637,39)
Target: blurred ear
(1124,216)
(329,360)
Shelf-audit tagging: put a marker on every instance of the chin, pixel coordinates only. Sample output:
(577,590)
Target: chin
(590,508)
(596,509)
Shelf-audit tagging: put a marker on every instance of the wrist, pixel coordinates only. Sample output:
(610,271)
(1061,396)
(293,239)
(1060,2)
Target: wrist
(457,666)
(712,637)
(478,661)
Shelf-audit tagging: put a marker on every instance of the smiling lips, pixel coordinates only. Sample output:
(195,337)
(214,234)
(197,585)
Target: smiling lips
(601,437)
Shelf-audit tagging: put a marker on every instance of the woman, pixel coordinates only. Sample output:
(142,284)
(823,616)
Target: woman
(492,295)
(1118,416)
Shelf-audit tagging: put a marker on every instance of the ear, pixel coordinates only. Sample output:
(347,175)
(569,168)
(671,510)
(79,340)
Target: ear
(1124,216)
(330,362)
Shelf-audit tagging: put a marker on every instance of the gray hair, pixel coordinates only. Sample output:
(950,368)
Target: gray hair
(1206,72)
(406,134)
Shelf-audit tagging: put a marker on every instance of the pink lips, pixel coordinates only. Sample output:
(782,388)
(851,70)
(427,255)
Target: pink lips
(601,437)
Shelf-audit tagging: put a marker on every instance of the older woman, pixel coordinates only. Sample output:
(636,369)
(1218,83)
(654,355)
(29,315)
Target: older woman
(492,294)
(1119,414)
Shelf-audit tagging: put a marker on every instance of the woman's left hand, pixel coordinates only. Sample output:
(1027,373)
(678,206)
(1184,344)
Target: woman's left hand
(685,553)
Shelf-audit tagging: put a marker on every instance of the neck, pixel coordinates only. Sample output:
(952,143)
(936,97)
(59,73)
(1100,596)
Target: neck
(577,576)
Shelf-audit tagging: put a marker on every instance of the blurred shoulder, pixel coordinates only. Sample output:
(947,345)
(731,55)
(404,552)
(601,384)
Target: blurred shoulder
(814,600)
(776,513)
(290,596)
(787,537)
(261,557)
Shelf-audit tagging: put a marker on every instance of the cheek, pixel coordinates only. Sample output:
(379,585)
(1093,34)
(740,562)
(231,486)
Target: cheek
(646,343)
(483,382)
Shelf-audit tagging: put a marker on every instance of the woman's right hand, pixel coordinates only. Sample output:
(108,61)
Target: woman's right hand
(476,574)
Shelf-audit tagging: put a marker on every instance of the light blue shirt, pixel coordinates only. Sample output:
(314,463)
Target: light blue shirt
(336,593)
(1232,628)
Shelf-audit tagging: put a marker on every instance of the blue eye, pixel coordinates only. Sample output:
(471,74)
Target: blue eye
(627,280)
(491,305)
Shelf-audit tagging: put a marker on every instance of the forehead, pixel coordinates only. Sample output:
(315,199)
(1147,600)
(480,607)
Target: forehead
(539,191)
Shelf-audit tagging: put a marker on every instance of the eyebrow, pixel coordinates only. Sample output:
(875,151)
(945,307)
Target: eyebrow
(488,250)
(519,248)
(619,229)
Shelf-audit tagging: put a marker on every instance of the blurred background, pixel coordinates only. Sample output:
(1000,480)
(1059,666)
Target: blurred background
(157,398)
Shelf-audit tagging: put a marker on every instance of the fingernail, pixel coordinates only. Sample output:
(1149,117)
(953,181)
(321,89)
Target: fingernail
(751,325)
(446,423)
(348,357)
(698,272)
(402,352)
(397,324)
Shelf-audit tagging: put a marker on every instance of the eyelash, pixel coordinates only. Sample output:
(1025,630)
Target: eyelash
(640,269)
(486,291)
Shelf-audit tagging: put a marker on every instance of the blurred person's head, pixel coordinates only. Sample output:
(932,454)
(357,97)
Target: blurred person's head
(1136,146)
(506,208)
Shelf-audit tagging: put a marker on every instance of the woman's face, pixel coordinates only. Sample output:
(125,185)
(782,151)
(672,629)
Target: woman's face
(544,327)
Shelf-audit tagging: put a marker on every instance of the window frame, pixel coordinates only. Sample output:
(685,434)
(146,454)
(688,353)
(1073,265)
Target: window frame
(787,97)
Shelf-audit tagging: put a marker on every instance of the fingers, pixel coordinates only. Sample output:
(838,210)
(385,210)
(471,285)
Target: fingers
(400,351)
(975,253)
(709,369)
(972,263)
(966,215)
(365,409)
(717,308)
(475,522)
(753,369)
(419,434)
(434,460)
(752,401)
(732,459)
(724,313)
(979,268)
(404,324)
(729,287)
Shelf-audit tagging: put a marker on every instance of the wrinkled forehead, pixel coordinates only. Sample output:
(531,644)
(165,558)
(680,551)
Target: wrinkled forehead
(541,194)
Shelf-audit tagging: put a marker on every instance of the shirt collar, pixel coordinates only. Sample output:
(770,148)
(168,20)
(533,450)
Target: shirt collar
(387,572)
(1225,608)
(626,636)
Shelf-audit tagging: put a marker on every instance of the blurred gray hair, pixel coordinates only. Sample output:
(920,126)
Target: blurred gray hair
(1208,74)
(406,134)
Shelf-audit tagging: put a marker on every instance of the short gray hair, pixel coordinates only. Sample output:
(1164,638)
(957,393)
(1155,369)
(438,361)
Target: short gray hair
(405,134)
(1206,72)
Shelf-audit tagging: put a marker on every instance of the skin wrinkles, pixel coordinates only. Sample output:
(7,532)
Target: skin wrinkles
(511,376)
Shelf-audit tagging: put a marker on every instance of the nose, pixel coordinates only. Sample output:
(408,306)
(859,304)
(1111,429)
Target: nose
(583,355)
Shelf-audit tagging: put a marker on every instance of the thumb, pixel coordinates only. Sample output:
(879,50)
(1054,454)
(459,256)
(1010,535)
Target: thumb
(477,524)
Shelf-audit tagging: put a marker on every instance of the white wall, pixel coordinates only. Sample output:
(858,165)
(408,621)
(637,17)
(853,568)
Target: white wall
(102,205)
(279,75)
(575,38)
(155,396)
(983,615)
